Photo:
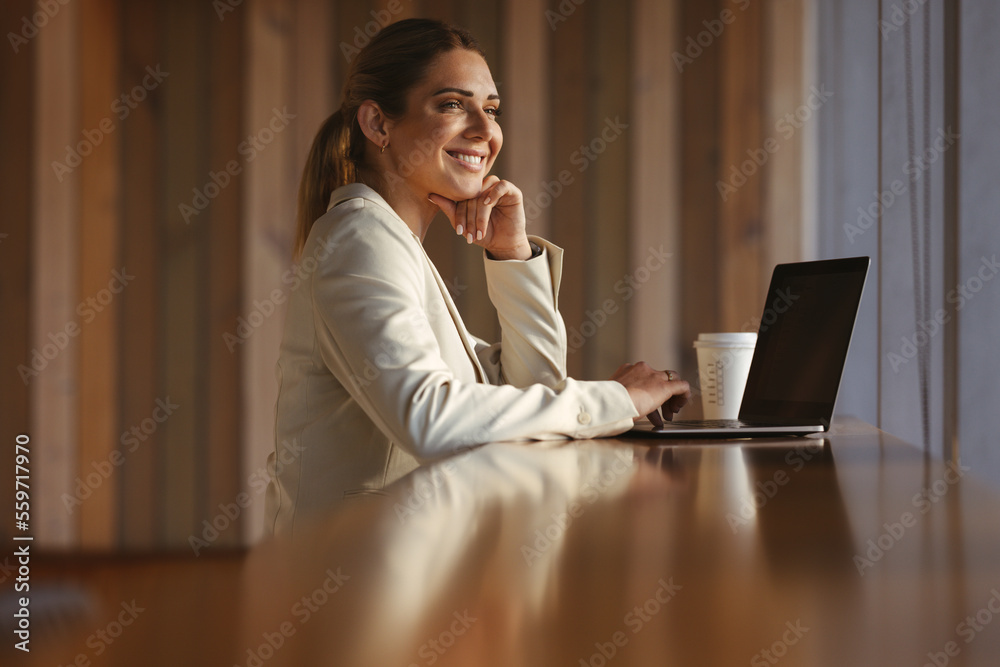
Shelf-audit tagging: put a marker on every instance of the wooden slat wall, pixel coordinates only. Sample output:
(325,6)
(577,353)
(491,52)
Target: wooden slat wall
(607,179)
(700,101)
(17,118)
(268,216)
(562,75)
(223,268)
(569,44)
(99,256)
(740,222)
(181,458)
(55,219)
(784,71)
(524,93)
(654,140)
(142,207)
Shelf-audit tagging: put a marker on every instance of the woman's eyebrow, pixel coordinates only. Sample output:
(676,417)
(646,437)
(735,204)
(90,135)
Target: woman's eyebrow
(466,93)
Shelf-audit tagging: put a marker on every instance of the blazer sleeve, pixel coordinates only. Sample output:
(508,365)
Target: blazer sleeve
(375,337)
(532,347)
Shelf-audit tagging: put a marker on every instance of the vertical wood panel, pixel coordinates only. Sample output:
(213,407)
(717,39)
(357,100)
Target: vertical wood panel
(185,169)
(55,218)
(740,232)
(315,95)
(525,99)
(99,256)
(222,264)
(141,206)
(654,312)
(16,125)
(699,197)
(607,183)
(784,174)
(268,214)
(567,117)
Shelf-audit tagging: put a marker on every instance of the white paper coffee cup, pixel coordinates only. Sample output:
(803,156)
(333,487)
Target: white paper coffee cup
(723,366)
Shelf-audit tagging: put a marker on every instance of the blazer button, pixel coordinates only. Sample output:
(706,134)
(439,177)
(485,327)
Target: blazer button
(583,418)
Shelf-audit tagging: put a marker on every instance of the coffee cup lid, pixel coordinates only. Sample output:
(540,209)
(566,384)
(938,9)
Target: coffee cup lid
(728,339)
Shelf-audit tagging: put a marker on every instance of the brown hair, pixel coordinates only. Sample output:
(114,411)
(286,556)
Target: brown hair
(384,71)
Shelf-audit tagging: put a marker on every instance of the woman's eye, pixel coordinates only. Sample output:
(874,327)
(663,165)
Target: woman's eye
(451,104)
(494,112)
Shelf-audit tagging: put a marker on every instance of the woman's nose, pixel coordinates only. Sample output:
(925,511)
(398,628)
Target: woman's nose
(480,126)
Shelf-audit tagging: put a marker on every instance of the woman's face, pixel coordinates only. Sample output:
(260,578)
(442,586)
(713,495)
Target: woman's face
(449,138)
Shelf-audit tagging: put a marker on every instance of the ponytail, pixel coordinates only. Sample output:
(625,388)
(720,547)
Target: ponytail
(385,71)
(328,167)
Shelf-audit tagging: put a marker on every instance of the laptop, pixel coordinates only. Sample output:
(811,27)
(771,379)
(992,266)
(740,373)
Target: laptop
(802,344)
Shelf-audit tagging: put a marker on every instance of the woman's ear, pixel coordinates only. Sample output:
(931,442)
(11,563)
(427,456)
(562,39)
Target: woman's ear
(373,123)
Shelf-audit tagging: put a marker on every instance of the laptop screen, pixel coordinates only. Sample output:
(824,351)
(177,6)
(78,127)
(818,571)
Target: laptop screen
(802,342)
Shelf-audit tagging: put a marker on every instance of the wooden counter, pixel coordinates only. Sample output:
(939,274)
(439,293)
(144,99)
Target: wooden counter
(851,549)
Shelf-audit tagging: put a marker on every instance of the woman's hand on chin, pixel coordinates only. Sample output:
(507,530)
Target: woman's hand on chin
(494,219)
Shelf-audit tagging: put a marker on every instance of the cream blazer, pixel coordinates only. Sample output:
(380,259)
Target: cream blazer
(378,374)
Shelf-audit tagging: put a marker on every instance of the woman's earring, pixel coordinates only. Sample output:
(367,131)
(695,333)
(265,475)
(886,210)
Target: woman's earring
(384,146)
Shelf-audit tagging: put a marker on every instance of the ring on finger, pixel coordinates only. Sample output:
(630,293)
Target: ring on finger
(671,376)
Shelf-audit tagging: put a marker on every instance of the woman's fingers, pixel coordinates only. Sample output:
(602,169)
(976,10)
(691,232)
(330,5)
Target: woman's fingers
(447,206)
(652,390)
(471,218)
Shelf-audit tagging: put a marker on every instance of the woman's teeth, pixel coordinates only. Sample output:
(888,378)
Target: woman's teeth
(471,159)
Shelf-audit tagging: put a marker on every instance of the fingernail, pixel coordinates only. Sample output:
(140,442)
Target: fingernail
(469,237)
(487,200)
(460,229)
(479,235)
(429,199)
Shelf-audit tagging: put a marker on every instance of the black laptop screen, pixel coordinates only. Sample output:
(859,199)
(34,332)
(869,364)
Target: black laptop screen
(802,342)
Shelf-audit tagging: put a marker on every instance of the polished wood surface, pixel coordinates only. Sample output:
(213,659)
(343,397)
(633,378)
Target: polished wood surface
(848,549)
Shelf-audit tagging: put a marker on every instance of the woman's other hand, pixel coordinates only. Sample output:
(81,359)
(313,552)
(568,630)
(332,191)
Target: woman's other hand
(494,219)
(653,391)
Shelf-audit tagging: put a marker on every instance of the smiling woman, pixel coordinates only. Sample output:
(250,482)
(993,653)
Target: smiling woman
(377,371)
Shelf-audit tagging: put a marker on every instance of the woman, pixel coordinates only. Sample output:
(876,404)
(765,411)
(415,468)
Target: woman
(377,372)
